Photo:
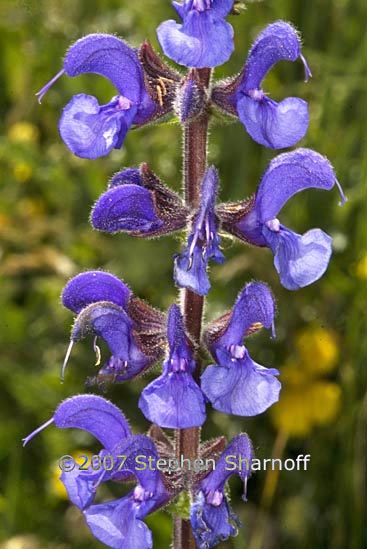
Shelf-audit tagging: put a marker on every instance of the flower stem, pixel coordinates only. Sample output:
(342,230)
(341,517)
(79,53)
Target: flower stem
(194,166)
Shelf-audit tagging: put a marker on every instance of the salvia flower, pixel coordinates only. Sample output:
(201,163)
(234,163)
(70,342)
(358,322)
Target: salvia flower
(274,125)
(212,518)
(117,523)
(106,308)
(91,130)
(138,203)
(236,384)
(190,269)
(204,39)
(299,259)
(174,399)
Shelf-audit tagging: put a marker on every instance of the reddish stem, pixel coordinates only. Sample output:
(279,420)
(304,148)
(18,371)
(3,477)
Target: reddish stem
(194,165)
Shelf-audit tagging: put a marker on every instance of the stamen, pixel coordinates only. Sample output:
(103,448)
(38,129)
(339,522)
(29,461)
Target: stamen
(273,332)
(308,73)
(67,356)
(244,495)
(97,350)
(344,199)
(47,86)
(34,433)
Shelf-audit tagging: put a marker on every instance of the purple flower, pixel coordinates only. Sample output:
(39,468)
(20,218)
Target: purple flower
(212,518)
(274,125)
(91,130)
(236,384)
(138,203)
(106,308)
(116,523)
(299,259)
(203,242)
(174,399)
(204,39)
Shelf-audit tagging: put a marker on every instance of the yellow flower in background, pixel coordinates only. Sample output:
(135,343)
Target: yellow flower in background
(55,485)
(317,349)
(22,172)
(307,401)
(361,269)
(23,132)
(326,398)
(305,406)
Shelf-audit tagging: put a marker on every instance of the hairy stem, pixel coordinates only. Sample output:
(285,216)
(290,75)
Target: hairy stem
(194,166)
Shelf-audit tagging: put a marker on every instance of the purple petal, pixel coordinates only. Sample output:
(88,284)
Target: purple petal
(81,487)
(203,40)
(180,357)
(255,303)
(274,125)
(118,370)
(239,448)
(131,176)
(90,130)
(139,451)
(221,8)
(174,401)
(217,8)
(112,323)
(299,260)
(91,287)
(212,518)
(288,174)
(175,327)
(243,388)
(110,57)
(115,524)
(190,270)
(276,42)
(127,208)
(203,242)
(96,415)
(212,524)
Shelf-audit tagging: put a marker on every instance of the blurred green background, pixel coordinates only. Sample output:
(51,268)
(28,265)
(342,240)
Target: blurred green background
(45,198)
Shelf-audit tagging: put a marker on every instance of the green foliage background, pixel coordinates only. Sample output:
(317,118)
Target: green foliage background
(45,198)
